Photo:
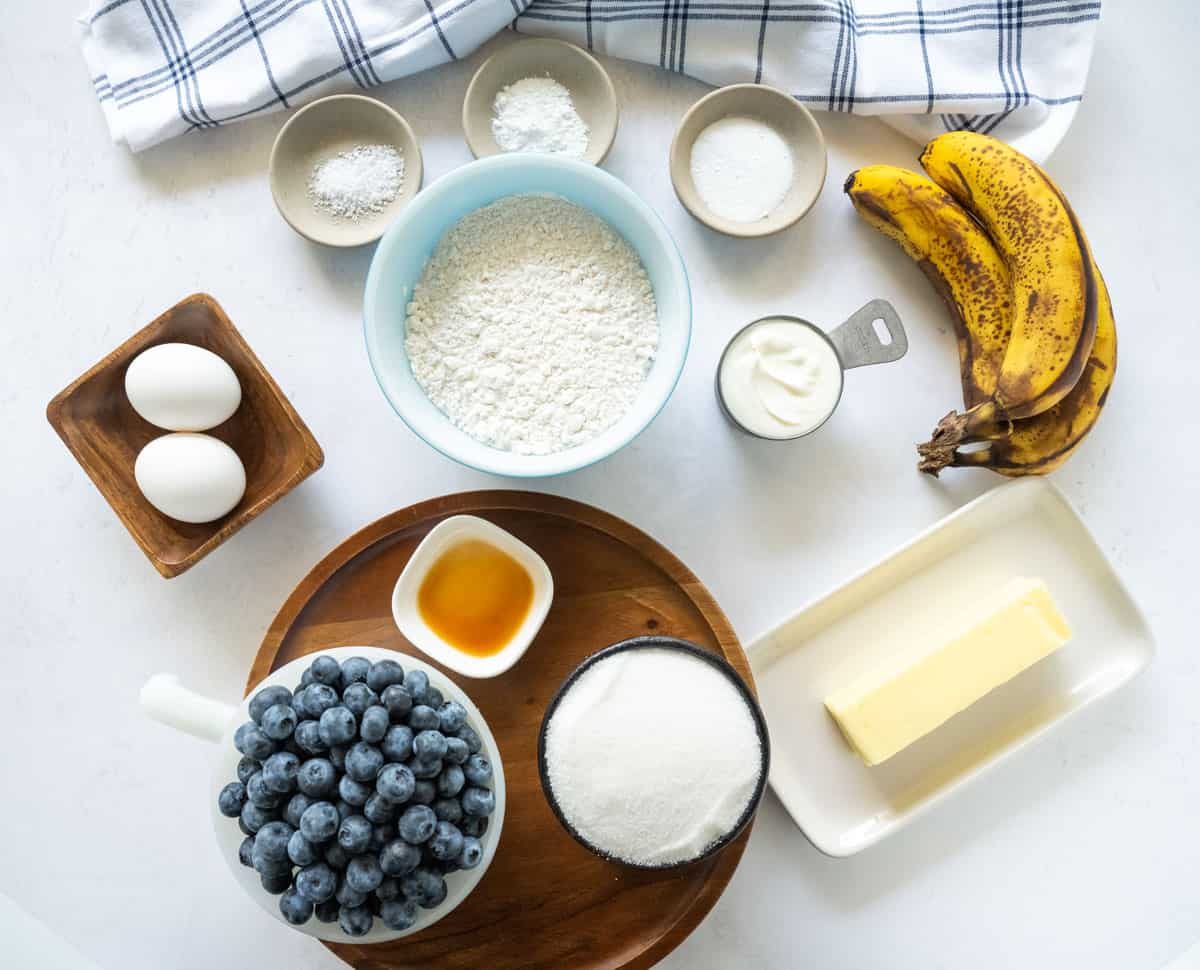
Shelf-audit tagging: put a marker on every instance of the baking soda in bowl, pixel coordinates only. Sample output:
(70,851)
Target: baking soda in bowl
(652,755)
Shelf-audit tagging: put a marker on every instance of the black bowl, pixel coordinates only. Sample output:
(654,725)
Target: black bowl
(721,664)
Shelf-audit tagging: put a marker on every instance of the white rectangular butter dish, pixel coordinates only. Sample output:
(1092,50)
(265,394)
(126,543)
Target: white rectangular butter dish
(1023,528)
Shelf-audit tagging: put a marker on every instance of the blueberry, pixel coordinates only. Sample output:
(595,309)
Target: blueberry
(424,792)
(266,698)
(326,670)
(395,783)
(231,799)
(473,825)
(246,767)
(279,772)
(308,737)
(338,726)
(272,840)
(358,697)
(363,762)
(478,801)
(354,792)
(424,718)
(429,746)
(318,698)
(337,857)
(379,810)
(337,755)
(355,920)
(319,823)
(472,853)
(327,912)
(276,882)
(347,895)
(389,888)
(451,781)
(444,866)
(345,810)
(383,674)
(354,834)
(250,740)
(399,858)
(478,770)
(474,742)
(278,722)
(448,810)
(316,882)
(317,777)
(306,677)
(296,807)
(457,751)
(424,886)
(398,914)
(245,850)
(453,716)
(354,670)
(416,682)
(301,851)
(374,723)
(425,769)
(397,743)
(259,794)
(254,817)
(243,827)
(264,865)
(364,874)
(433,698)
(417,823)
(397,701)
(295,908)
(447,841)
(381,834)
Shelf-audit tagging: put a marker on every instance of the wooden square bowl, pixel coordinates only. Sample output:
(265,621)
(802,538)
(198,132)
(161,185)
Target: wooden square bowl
(98,424)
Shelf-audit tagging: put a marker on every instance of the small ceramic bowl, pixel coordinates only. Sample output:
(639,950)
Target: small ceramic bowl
(322,130)
(793,122)
(459,528)
(591,90)
(166,700)
(720,664)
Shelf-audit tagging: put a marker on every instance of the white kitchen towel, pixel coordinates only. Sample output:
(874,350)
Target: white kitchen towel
(1015,68)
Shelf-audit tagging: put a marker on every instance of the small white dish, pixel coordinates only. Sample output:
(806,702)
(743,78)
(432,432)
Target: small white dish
(1024,528)
(166,700)
(460,528)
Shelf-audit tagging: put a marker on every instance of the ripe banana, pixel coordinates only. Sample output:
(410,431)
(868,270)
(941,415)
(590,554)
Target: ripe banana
(957,257)
(1054,293)
(1037,445)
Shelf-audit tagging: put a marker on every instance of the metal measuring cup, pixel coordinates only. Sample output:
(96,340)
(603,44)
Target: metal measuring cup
(855,343)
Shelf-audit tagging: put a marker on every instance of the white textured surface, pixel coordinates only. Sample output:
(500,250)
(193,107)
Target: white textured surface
(1082,852)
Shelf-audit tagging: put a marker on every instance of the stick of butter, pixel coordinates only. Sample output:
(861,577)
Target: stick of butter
(888,709)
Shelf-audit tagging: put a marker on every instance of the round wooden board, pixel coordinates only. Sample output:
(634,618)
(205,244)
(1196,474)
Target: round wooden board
(546,902)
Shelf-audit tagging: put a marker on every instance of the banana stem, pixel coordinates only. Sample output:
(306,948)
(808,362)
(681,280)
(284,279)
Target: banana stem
(981,423)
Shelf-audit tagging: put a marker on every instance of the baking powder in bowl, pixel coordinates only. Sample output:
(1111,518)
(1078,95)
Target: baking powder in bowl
(742,168)
(536,114)
(652,755)
(533,325)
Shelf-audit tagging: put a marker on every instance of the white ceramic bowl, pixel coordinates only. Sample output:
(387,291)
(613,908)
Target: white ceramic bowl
(405,248)
(408,618)
(164,699)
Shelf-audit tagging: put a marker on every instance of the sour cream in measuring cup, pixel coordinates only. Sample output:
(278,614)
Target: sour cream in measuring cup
(779,378)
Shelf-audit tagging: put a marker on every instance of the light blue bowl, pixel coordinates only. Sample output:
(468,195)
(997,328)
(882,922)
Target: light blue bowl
(407,245)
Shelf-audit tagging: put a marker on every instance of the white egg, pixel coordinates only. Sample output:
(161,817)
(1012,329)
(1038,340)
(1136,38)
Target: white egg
(182,387)
(190,477)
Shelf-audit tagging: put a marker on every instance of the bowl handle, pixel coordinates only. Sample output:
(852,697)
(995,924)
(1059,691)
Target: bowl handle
(170,703)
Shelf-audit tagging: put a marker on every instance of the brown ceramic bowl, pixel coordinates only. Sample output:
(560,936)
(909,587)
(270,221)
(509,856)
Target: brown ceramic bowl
(98,424)
(591,88)
(794,123)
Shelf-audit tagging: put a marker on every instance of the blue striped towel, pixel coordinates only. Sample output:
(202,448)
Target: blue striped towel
(1015,68)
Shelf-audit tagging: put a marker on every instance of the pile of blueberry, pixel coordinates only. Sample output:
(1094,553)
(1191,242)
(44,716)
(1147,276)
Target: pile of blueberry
(358,794)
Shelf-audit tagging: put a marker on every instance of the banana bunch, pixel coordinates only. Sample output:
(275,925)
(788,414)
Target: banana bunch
(1037,342)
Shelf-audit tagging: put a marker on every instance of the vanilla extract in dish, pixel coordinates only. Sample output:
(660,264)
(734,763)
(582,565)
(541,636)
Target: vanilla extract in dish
(652,756)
